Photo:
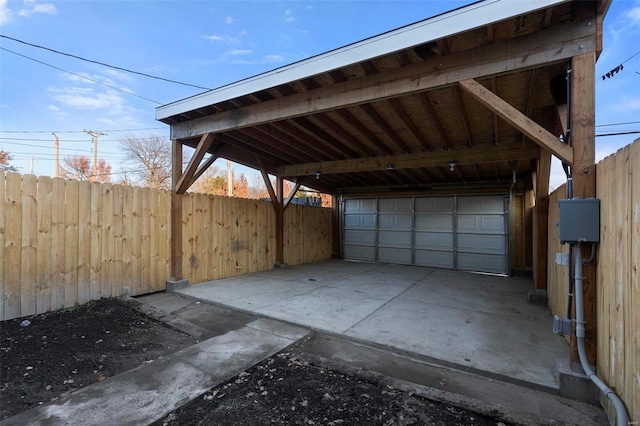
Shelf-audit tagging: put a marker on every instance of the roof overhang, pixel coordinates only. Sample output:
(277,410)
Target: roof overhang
(396,109)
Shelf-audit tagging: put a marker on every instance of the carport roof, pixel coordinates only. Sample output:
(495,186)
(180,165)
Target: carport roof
(477,88)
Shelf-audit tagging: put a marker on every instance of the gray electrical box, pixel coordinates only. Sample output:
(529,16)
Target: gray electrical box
(579,220)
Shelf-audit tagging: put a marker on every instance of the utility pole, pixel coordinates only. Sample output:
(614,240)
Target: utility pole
(95,135)
(57,154)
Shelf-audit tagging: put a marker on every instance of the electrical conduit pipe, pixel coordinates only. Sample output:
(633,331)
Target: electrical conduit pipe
(622,418)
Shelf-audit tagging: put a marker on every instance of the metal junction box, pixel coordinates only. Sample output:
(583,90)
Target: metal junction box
(579,220)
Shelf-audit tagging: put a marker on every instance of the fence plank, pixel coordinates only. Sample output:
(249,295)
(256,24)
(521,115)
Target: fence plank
(127,235)
(43,273)
(106,275)
(71,243)
(13,240)
(145,273)
(58,221)
(84,242)
(2,241)
(153,242)
(29,253)
(163,234)
(95,248)
(136,242)
(631,393)
(118,288)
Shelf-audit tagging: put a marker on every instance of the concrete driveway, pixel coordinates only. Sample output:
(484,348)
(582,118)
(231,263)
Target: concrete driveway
(477,323)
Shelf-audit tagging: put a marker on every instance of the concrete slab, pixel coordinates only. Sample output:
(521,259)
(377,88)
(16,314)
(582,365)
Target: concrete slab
(342,355)
(476,322)
(151,391)
(328,309)
(251,292)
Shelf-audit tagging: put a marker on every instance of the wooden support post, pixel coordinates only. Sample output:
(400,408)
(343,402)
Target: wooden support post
(584,180)
(280,222)
(277,197)
(176,213)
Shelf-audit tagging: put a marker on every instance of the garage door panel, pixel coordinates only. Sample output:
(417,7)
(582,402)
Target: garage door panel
(478,243)
(360,221)
(395,239)
(481,204)
(395,221)
(433,240)
(360,206)
(434,259)
(395,205)
(487,224)
(482,262)
(434,204)
(360,237)
(360,253)
(434,222)
(395,255)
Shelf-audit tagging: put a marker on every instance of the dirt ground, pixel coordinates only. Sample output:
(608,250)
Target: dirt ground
(62,351)
(66,350)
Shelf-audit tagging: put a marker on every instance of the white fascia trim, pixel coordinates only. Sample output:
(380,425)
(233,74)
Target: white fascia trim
(431,29)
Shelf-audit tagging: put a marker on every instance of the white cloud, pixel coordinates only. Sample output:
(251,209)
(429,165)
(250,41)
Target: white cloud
(288,16)
(239,52)
(119,75)
(213,38)
(5,13)
(225,39)
(626,105)
(634,14)
(53,108)
(274,58)
(229,20)
(86,98)
(32,6)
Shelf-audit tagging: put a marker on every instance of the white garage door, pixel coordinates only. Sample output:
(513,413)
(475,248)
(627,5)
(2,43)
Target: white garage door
(456,232)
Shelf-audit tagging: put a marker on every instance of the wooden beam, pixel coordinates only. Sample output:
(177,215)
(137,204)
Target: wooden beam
(584,179)
(267,182)
(194,162)
(292,194)
(511,115)
(463,156)
(203,168)
(176,213)
(542,47)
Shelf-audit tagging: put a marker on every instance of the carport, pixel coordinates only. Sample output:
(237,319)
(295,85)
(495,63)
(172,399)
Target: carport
(424,136)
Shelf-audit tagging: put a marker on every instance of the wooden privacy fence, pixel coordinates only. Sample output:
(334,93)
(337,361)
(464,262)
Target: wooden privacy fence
(224,237)
(65,242)
(618,261)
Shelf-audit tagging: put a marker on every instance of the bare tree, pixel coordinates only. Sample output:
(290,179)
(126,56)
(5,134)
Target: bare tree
(5,165)
(79,167)
(150,158)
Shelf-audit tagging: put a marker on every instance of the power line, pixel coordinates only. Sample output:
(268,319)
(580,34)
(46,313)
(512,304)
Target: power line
(103,64)
(81,76)
(81,131)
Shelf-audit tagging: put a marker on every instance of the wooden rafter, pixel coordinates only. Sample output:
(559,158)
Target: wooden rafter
(416,160)
(406,120)
(385,127)
(431,113)
(511,115)
(501,57)
(464,117)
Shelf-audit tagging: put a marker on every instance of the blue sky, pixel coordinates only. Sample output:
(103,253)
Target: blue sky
(209,44)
